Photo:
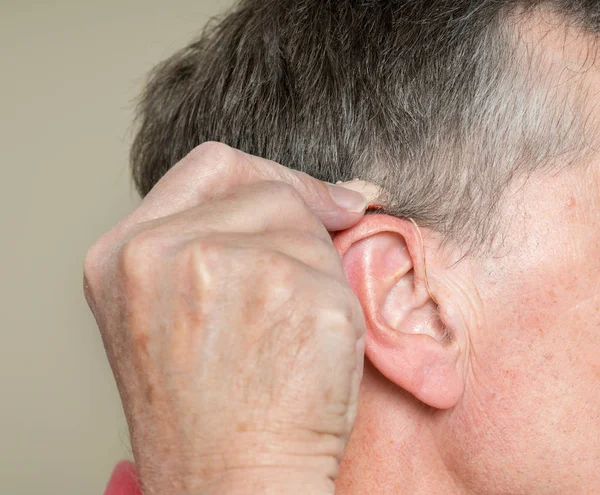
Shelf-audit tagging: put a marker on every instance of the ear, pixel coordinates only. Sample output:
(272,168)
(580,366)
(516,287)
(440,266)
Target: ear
(407,339)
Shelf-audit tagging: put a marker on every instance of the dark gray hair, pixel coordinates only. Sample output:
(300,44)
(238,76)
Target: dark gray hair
(436,101)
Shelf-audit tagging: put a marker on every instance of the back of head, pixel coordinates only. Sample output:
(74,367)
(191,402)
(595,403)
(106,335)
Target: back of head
(441,103)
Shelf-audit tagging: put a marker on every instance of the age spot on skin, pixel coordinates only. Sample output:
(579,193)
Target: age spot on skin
(141,341)
(149,393)
(328,394)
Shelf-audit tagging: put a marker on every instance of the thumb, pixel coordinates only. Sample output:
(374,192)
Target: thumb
(338,206)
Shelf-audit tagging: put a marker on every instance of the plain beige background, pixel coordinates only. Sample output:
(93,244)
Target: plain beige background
(69,73)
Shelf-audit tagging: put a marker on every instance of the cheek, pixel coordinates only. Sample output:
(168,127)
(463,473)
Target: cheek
(532,397)
(543,338)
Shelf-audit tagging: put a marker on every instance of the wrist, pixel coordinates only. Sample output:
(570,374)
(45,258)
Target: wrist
(270,481)
(258,464)
(262,466)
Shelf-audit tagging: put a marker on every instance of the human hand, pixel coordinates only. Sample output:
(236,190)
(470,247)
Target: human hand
(235,340)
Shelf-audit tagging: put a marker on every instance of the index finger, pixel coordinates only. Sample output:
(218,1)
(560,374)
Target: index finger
(213,169)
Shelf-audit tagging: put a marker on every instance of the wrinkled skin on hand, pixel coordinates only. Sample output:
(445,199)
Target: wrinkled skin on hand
(235,340)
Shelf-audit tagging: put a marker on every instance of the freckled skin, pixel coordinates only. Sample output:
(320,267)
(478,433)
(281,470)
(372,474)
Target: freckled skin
(547,414)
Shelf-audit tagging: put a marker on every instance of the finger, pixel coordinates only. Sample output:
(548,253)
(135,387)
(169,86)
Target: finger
(214,169)
(260,207)
(303,247)
(309,249)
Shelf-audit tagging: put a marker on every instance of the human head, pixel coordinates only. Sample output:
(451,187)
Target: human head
(469,114)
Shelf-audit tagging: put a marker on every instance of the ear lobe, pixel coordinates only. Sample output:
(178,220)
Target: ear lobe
(407,341)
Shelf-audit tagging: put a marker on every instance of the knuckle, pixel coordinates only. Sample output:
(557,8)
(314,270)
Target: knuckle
(200,258)
(94,266)
(278,273)
(281,262)
(284,194)
(339,321)
(138,254)
(341,309)
(219,155)
(342,316)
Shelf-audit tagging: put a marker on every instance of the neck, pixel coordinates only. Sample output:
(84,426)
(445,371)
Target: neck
(393,449)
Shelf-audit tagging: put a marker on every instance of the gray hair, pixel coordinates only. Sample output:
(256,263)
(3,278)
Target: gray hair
(438,102)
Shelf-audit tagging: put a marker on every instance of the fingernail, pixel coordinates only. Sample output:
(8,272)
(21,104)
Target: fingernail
(349,200)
